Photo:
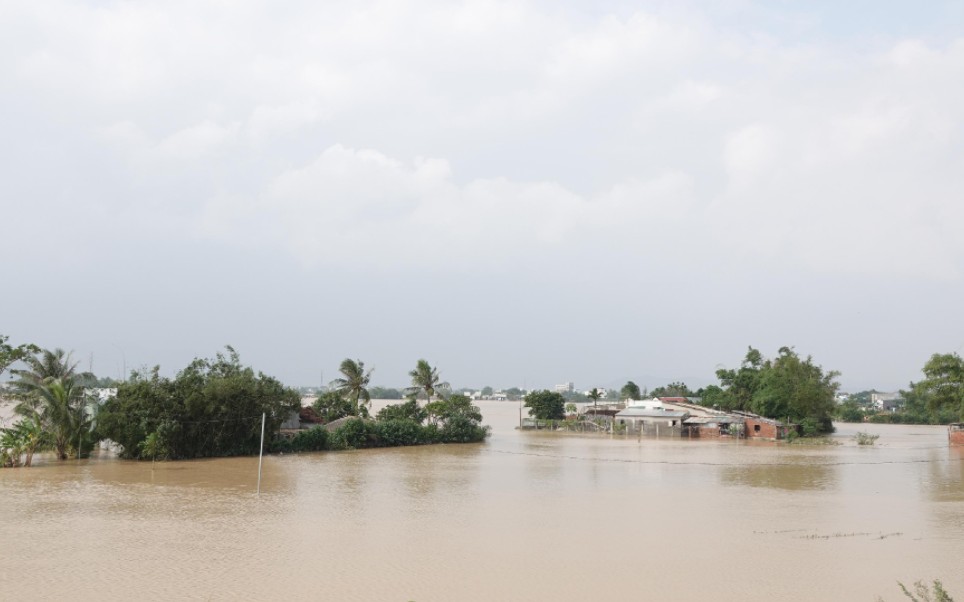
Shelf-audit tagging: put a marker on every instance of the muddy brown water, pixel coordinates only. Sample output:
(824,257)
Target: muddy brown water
(525,516)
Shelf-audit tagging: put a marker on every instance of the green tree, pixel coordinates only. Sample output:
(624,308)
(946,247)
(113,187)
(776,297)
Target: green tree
(50,394)
(594,395)
(675,389)
(425,379)
(410,410)
(24,439)
(796,388)
(332,405)
(486,391)
(385,393)
(353,383)
(452,407)
(546,405)
(10,354)
(740,385)
(943,384)
(210,408)
(630,391)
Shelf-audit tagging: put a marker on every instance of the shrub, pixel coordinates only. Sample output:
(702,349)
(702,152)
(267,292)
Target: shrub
(865,438)
(394,433)
(460,429)
(354,434)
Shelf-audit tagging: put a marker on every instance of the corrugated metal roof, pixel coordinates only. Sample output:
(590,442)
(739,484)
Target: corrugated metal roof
(641,413)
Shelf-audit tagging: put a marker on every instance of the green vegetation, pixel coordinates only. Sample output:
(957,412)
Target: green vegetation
(943,386)
(865,438)
(211,408)
(353,384)
(630,391)
(594,395)
(672,390)
(51,401)
(786,387)
(937,399)
(425,379)
(332,405)
(385,393)
(923,593)
(10,354)
(546,405)
(449,420)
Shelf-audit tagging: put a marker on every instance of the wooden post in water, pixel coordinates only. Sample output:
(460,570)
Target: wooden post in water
(261,452)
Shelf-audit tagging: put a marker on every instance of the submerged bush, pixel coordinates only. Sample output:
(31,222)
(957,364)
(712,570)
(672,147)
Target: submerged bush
(865,438)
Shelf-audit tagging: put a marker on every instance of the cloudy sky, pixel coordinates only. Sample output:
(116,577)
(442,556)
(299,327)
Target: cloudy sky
(519,192)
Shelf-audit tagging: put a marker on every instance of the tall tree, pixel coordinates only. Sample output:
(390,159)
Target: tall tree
(546,405)
(675,389)
(213,407)
(51,394)
(353,383)
(786,387)
(425,379)
(630,391)
(594,395)
(943,384)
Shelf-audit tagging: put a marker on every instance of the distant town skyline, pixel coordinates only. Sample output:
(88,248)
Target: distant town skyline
(520,193)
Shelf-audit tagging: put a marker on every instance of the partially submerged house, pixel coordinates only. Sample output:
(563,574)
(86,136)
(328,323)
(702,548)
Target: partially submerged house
(652,421)
(714,426)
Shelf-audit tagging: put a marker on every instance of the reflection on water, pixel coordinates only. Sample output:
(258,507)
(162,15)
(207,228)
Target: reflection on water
(790,477)
(525,516)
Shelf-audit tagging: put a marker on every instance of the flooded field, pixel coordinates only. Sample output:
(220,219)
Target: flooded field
(525,516)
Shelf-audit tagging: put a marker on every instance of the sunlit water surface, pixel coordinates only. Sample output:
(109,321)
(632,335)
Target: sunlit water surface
(525,516)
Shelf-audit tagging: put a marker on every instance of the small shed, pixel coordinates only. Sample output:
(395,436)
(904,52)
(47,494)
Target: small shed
(758,427)
(704,427)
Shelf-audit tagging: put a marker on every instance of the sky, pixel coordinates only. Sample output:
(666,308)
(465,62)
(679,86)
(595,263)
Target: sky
(523,193)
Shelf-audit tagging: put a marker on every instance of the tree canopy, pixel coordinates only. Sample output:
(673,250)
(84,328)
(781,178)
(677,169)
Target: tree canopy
(546,405)
(211,408)
(630,391)
(786,387)
(425,379)
(943,383)
(353,383)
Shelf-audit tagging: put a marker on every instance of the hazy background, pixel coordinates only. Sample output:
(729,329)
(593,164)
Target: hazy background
(519,192)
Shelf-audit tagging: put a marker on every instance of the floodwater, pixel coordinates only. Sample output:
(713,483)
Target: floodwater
(525,516)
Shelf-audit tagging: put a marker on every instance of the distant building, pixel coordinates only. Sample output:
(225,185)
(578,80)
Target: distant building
(885,402)
(565,388)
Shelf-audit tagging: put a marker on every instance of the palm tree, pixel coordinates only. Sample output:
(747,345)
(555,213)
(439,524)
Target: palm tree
(594,395)
(51,395)
(425,378)
(354,384)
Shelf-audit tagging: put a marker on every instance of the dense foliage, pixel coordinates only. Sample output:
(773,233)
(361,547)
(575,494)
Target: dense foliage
(353,384)
(786,387)
(630,391)
(51,400)
(546,405)
(449,420)
(211,408)
(676,389)
(332,405)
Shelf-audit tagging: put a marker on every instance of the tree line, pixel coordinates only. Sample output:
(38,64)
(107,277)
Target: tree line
(211,408)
